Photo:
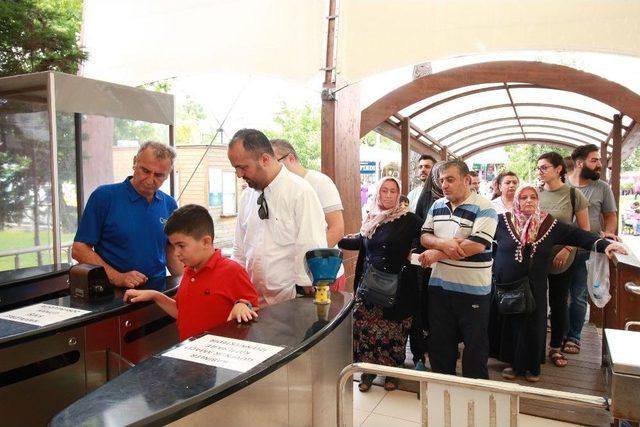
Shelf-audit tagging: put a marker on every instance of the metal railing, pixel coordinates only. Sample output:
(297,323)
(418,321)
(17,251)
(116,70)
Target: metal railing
(490,388)
(15,253)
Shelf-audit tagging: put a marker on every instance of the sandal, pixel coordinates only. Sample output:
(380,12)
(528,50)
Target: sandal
(365,382)
(390,383)
(508,374)
(571,347)
(557,358)
(532,378)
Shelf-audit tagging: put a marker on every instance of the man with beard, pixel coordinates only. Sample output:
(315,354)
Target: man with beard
(279,219)
(425,164)
(602,219)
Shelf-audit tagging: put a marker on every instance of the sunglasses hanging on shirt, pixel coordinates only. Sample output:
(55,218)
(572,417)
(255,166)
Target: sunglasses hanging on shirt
(263,210)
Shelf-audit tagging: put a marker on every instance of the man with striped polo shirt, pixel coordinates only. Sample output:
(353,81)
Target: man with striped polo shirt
(458,233)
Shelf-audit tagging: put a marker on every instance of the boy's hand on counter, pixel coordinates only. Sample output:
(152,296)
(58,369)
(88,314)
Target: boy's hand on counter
(135,295)
(242,312)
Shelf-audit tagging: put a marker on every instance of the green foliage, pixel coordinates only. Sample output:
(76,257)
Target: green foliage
(301,127)
(373,139)
(523,159)
(190,119)
(632,163)
(40,35)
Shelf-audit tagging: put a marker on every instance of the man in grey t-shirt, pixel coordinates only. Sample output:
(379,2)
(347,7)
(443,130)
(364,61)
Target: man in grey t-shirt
(602,219)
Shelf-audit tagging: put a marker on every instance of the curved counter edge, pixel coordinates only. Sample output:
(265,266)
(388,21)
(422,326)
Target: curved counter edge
(297,325)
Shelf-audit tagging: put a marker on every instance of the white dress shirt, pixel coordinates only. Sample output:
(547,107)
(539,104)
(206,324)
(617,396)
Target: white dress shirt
(272,250)
(328,195)
(413,197)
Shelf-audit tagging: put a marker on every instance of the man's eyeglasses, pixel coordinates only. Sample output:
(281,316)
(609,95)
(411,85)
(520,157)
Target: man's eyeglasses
(263,210)
(283,157)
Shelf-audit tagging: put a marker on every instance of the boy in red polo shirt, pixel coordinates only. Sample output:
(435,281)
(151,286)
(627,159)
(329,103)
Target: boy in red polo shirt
(213,289)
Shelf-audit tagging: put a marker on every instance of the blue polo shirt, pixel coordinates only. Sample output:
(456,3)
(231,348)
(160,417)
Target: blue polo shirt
(125,229)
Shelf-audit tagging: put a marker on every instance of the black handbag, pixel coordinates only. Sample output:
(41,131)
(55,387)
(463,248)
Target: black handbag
(515,297)
(378,287)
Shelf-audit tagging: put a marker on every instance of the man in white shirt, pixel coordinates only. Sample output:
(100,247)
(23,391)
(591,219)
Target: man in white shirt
(326,191)
(425,164)
(279,219)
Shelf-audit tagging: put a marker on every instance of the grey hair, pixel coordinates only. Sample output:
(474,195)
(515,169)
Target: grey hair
(160,150)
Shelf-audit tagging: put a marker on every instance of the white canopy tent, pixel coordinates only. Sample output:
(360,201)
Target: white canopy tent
(133,42)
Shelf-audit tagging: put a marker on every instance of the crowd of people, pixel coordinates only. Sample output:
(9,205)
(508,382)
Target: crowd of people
(430,268)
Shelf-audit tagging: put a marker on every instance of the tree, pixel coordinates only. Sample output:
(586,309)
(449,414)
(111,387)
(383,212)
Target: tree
(301,127)
(35,35)
(632,163)
(523,159)
(40,35)
(190,120)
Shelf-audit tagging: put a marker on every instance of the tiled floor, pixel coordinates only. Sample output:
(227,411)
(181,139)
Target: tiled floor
(381,408)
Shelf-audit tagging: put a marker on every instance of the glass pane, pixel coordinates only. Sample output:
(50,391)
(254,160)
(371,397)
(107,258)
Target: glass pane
(25,185)
(67,182)
(109,146)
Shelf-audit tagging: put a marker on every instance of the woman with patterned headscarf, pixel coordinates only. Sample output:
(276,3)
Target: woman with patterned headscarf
(385,240)
(525,238)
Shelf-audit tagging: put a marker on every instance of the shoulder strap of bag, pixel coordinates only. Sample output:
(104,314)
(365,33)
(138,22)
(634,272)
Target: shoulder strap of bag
(572,196)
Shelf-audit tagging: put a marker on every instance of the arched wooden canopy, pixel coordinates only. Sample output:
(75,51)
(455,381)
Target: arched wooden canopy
(469,131)
(464,111)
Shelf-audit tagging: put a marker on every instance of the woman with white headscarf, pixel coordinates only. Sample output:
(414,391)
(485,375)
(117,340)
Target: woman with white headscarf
(385,240)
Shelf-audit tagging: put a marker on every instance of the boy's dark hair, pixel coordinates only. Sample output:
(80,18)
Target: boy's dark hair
(474,173)
(582,152)
(253,141)
(192,220)
(428,157)
(404,199)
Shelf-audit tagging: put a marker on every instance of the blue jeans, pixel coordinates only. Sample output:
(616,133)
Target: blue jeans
(579,295)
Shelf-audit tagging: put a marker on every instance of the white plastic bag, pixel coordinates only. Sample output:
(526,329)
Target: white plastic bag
(598,277)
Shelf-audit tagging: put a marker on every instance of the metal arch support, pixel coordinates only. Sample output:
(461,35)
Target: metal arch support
(550,76)
(508,142)
(472,92)
(522,104)
(524,127)
(578,141)
(504,119)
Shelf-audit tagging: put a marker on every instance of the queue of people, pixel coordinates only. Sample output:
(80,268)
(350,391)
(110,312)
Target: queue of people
(432,268)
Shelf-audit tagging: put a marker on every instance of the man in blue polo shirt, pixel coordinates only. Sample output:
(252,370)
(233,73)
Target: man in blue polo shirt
(122,224)
(458,234)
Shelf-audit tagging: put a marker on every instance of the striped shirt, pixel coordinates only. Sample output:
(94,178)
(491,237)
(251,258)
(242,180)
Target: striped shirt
(476,220)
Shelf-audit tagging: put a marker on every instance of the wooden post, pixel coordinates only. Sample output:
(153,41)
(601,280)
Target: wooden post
(605,161)
(616,158)
(444,154)
(340,145)
(405,135)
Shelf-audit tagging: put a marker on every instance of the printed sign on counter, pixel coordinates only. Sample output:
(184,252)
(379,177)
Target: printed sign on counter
(42,314)
(222,352)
